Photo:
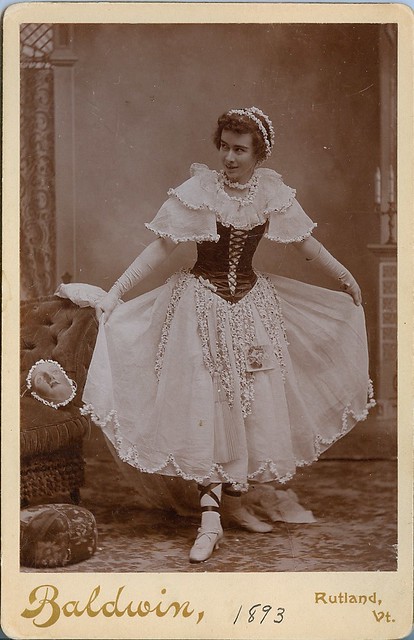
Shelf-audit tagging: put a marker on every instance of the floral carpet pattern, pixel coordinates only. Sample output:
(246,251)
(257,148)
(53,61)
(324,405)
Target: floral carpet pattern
(354,503)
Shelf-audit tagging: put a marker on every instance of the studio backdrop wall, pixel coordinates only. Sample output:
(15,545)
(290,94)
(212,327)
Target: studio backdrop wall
(136,104)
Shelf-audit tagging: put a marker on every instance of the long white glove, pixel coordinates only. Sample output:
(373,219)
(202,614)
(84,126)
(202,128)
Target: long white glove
(151,258)
(317,255)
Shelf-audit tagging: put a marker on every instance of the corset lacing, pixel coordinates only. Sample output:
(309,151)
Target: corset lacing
(236,245)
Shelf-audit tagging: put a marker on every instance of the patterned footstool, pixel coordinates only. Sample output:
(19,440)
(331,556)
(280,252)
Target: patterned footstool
(54,535)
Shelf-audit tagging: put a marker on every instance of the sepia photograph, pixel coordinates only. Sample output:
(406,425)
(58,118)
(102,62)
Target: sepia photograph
(208,310)
(215,372)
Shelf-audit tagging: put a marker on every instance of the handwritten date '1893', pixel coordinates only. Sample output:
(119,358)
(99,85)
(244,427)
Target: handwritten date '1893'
(258,613)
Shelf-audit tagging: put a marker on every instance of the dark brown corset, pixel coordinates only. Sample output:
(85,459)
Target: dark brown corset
(227,264)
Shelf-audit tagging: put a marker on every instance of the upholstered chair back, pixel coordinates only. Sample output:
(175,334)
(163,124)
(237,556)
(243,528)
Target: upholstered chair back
(54,328)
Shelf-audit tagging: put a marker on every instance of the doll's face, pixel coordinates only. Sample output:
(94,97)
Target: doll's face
(50,382)
(237,155)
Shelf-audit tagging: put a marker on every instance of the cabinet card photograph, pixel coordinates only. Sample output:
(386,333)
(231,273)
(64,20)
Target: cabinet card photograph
(208,321)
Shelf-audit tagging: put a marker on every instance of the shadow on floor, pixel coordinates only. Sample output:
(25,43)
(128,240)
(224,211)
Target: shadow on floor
(354,502)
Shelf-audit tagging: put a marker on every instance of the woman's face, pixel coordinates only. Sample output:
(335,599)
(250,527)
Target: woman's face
(51,383)
(237,155)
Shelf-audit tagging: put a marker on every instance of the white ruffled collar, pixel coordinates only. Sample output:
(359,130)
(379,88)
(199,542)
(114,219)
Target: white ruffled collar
(202,191)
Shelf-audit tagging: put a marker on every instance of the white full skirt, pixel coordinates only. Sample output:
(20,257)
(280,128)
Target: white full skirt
(173,387)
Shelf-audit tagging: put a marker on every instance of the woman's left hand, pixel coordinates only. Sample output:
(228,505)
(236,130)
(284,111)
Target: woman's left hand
(350,285)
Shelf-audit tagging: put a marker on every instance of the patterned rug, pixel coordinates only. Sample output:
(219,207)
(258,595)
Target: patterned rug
(353,501)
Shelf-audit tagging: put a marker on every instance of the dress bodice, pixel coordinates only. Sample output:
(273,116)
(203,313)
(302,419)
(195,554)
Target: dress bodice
(227,264)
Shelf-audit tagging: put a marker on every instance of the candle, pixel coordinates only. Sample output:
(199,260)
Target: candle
(377,185)
(391,184)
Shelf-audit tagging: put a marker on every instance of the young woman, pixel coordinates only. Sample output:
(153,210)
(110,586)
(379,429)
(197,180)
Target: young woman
(224,375)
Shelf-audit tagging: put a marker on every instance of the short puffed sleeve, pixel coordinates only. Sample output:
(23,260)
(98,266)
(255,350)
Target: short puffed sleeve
(185,215)
(287,221)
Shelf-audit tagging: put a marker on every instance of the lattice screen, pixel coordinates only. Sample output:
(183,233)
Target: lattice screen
(36,45)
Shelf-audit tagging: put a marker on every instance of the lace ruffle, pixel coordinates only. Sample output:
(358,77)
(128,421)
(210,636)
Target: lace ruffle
(228,213)
(188,205)
(208,237)
(227,222)
(193,208)
(300,238)
(321,443)
(274,207)
(132,455)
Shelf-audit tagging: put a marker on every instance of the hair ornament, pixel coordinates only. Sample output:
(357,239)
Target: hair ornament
(253,113)
(50,403)
(268,122)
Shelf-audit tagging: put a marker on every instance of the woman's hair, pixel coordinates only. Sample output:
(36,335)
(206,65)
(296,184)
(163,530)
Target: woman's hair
(241,123)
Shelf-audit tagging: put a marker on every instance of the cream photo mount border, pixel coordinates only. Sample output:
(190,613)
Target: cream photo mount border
(216,595)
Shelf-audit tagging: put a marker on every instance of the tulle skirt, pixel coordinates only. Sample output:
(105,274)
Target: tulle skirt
(184,383)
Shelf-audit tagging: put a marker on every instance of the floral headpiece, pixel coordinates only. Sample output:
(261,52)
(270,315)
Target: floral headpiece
(50,403)
(252,113)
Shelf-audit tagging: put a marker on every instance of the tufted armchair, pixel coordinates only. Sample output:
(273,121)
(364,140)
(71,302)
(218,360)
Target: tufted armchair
(51,439)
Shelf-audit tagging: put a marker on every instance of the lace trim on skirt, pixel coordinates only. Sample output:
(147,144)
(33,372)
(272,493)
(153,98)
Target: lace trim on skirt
(235,319)
(268,469)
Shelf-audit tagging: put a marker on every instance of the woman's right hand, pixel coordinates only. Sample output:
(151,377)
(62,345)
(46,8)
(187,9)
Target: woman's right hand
(106,305)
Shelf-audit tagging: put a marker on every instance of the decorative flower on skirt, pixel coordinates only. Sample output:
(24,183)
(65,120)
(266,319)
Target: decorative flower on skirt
(257,356)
